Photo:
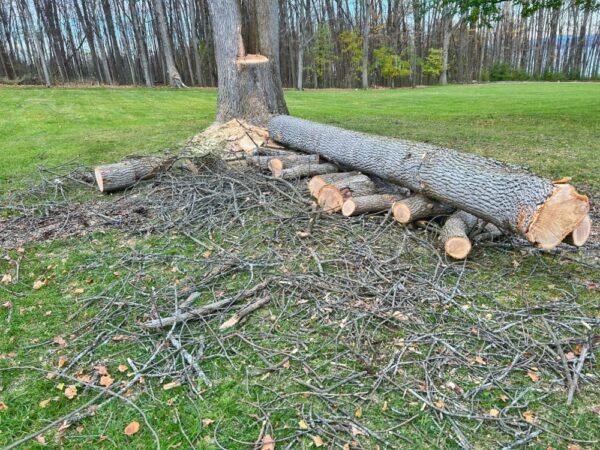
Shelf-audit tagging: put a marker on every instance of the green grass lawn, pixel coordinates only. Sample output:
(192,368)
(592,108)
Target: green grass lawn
(552,128)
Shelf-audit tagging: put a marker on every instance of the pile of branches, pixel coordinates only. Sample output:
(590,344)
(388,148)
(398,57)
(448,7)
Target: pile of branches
(328,319)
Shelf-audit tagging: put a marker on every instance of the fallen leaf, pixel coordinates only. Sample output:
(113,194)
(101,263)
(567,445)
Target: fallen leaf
(40,439)
(533,375)
(171,385)
(504,397)
(207,422)
(84,378)
(60,386)
(106,380)
(596,409)
(101,370)
(570,356)
(384,408)
(80,428)
(44,403)
(573,447)
(7,278)
(268,443)
(318,441)
(3,406)
(61,361)
(122,368)
(346,446)
(71,392)
(132,428)
(356,431)
(440,404)
(207,253)
(529,416)
(286,364)
(358,412)
(59,340)
(303,425)
(7,305)
(78,291)
(64,426)
(120,337)
(480,360)
(494,412)
(40,283)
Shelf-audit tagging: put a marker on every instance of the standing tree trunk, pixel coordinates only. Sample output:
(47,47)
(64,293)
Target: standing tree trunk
(447,25)
(36,42)
(172,72)
(365,43)
(249,84)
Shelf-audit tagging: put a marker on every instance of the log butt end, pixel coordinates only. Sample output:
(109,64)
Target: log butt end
(401,212)
(458,247)
(330,199)
(562,212)
(275,166)
(580,235)
(349,207)
(99,178)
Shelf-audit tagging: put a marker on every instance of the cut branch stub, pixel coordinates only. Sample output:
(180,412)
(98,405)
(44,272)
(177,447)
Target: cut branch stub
(580,235)
(455,234)
(507,196)
(332,196)
(368,203)
(305,170)
(418,207)
(121,175)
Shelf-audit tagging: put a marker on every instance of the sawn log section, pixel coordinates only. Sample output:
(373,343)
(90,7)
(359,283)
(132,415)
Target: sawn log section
(509,197)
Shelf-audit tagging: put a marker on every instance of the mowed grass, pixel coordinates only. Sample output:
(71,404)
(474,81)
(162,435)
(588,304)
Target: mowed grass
(552,128)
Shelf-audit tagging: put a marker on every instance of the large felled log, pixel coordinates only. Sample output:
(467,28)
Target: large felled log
(455,234)
(418,207)
(332,196)
(305,170)
(121,175)
(278,163)
(317,182)
(368,203)
(509,197)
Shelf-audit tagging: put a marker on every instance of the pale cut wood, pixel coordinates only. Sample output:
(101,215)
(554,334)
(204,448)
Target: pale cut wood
(278,163)
(355,206)
(332,196)
(305,170)
(418,207)
(507,196)
(119,176)
(455,234)
(317,182)
(580,235)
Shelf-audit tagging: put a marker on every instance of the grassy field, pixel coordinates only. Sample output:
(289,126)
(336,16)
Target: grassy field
(552,128)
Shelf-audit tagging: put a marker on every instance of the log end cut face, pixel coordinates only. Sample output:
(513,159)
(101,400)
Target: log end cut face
(330,199)
(401,212)
(458,247)
(99,180)
(562,212)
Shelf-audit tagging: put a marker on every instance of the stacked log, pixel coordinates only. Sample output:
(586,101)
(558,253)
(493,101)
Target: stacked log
(542,211)
(121,175)
(332,196)
(355,206)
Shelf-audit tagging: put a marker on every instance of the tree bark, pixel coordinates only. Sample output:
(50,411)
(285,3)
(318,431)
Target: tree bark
(278,163)
(418,207)
(119,176)
(318,181)
(365,44)
(332,196)
(305,170)
(172,72)
(249,85)
(36,42)
(509,197)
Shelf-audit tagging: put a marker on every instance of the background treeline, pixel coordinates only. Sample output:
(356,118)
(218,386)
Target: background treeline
(324,43)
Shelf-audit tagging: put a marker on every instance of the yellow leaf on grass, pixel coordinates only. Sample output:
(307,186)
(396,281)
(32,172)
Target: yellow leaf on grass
(384,408)
(318,441)
(529,416)
(71,392)
(3,406)
(132,428)
(303,425)
(358,412)
(122,368)
(38,284)
(78,291)
(61,361)
(44,403)
(440,404)
(494,412)
(106,380)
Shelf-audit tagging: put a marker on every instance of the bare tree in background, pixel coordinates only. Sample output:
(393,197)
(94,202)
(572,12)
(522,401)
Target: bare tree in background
(172,72)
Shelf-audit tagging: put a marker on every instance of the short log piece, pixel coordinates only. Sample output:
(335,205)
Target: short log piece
(121,175)
(355,206)
(418,207)
(455,234)
(278,163)
(317,182)
(332,196)
(305,170)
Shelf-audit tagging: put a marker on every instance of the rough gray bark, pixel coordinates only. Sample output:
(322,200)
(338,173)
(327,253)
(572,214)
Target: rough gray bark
(366,6)
(305,170)
(249,85)
(509,197)
(455,234)
(172,72)
(447,33)
(355,206)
